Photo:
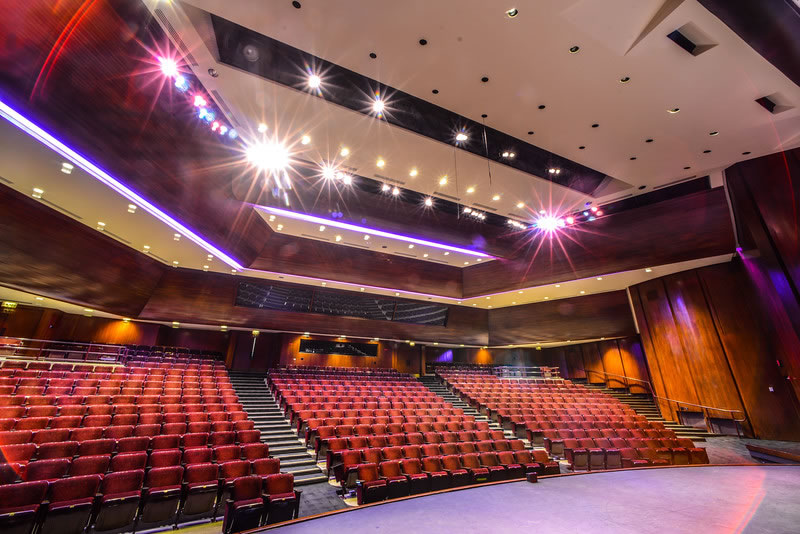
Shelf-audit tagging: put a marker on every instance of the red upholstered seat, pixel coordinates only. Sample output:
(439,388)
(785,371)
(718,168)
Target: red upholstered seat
(283,501)
(370,486)
(19,505)
(246,508)
(397,483)
(70,504)
(120,501)
(200,485)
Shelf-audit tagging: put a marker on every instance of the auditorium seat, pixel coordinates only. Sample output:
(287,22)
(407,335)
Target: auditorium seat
(439,478)
(129,461)
(70,504)
(90,465)
(199,491)
(513,469)
(370,487)
(246,508)
(20,505)
(121,495)
(397,484)
(471,462)
(161,495)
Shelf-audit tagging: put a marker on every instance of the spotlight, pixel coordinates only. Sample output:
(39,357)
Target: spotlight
(328,172)
(381,163)
(206,114)
(269,156)
(599,212)
(648,270)
(131,208)
(504,154)
(429,202)
(378,106)
(570,220)
(168,66)
(496,198)
(366,238)
(385,187)
(585,213)
(338,238)
(101,226)
(673,110)
(549,223)
(470,190)
(593,208)
(262,128)
(347,179)
(467,210)
(344,152)
(520,205)
(395,191)
(411,246)
(413,172)
(513,12)
(200,102)
(232,134)
(305,140)
(37,192)
(223,130)
(322,228)
(443,180)
(314,81)
(461,136)
(181,84)
(66,168)
(215,126)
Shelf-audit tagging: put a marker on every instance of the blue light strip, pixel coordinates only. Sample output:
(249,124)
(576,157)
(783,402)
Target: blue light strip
(102,176)
(371,231)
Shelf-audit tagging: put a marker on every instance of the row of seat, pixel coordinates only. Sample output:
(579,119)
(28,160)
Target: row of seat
(320,428)
(194,450)
(120,412)
(391,479)
(597,454)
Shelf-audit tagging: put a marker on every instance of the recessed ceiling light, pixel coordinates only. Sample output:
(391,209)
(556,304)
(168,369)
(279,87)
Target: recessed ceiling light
(271,218)
(474,304)
(425,255)
(446,253)
(338,238)
(513,302)
(366,237)
(520,205)
(146,248)
(397,294)
(581,147)
(175,263)
(484,115)
(279,227)
(423,42)
(633,158)
(262,127)
(344,152)
(496,197)
(322,228)
(582,292)
(39,298)
(385,187)
(490,305)
(88,310)
(574,49)
(373,55)
(558,285)
(378,106)
(485,79)
(435,91)
(520,292)
(599,277)
(648,270)
(314,81)
(205,267)
(648,140)
(513,12)
(324,283)
(131,208)
(466,263)
(66,168)
(673,110)
(625,79)
(305,140)
(470,190)
(547,298)
(380,163)
(101,225)
(746,153)
(488,298)
(429,201)
(461,136)
(37,192)
(411,246)
(395,191)
(413,172)
(443,180)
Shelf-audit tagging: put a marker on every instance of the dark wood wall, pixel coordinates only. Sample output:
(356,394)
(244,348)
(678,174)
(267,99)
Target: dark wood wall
(182,295)
(588,317)
(685,228)
(605,361)
(706,344)
(765,197)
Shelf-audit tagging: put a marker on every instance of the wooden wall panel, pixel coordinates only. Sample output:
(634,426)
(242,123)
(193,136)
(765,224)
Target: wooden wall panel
(47,253)
(751,353)
(574,360)
(189,296)
(702,350)
(612,363)
(630,350)
(706,345)
(589,317)
(592,363)
(685,228)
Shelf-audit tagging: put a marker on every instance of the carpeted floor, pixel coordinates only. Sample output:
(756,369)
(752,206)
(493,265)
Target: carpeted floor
(718,499)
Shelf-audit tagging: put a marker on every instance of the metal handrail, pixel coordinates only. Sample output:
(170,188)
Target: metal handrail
(678,403)
(98,351)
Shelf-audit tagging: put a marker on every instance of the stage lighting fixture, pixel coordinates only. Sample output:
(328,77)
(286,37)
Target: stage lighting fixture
(443,180)
(181,84)
(395,191)
(223,130)
(429,201)
(328,172)
(262,128)
(305,140)
(268,156)
(378,106)
(413,173)
(199,101)
(385,187)
(347,179)
(461,137)
(314,81)
(168,66)
(570,220)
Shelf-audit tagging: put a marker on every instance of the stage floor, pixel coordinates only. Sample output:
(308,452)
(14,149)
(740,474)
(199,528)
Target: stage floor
(718,499)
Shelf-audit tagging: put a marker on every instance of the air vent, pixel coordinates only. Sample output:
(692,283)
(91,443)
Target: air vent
(774,103)
(674,183)
(445,195)
(387,179)
(61,209)
(315,237)
(359,245)
(5,180)
(187,56)
(485,207)
(439,261)
(159,258)
(518,216)
(224,105)
(118,238)
(406,254)
(692,39)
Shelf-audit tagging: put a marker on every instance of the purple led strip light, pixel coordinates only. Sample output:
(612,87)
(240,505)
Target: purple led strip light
(371,231)
(102,176)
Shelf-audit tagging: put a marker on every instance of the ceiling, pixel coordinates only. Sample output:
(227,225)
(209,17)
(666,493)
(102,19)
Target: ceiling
(528,63)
